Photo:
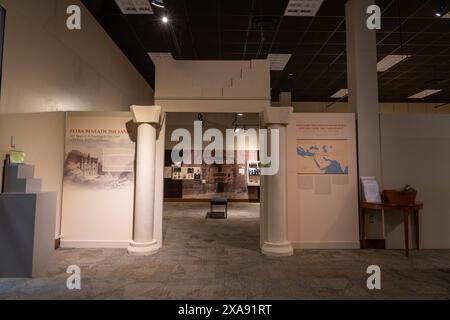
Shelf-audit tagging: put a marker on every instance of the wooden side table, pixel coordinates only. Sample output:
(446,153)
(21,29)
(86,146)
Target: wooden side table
(406,209)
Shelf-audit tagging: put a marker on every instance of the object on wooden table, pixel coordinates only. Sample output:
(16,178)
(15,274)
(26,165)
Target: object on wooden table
(407,195)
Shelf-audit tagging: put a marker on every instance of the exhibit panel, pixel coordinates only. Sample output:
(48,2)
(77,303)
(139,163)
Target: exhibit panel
(322,181)
(98,186)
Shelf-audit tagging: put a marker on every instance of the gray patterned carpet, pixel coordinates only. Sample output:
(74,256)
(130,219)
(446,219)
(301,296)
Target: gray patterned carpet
(220,259)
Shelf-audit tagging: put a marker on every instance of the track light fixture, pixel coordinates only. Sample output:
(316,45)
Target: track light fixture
(442,9)
(158,3)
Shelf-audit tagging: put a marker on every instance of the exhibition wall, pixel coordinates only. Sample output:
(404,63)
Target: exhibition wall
(98,187)
(416,151)
(47,67)
(41,136)
(322,181)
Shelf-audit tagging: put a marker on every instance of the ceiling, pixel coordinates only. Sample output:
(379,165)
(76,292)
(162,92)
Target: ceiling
(223,30)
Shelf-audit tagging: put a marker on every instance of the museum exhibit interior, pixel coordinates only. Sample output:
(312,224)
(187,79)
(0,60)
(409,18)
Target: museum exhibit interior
(225,150)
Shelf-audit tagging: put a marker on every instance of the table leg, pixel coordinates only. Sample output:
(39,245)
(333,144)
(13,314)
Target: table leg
(406,226)
(363,227)
(416,221)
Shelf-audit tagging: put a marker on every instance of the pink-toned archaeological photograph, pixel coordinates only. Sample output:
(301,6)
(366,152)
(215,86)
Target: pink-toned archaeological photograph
(234,158)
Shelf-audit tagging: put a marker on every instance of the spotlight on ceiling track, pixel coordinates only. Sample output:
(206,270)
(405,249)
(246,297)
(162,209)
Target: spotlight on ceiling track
(240,114)
(158,3)
(165,20)
(442,9)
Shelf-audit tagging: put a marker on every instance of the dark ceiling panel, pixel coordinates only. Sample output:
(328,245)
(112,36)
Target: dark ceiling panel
(251,29)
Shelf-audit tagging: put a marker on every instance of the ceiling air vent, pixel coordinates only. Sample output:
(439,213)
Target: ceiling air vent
(135,6)
(278,61)
(303,8)
(265,23)
(435,82)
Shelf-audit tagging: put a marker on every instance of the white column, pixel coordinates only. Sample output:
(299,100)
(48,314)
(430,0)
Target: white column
(363,95)
(277,243)
(363,86)
(144,242)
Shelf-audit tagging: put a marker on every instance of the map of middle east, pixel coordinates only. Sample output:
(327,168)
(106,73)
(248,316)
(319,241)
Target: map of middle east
(322,157)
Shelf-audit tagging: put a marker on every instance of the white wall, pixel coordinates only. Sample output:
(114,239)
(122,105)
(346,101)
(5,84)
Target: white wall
(416,151)
(41,136)
(327,220)
(220,121)
(46,67)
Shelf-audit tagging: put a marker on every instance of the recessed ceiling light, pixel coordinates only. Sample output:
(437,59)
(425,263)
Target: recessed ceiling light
(425,93)
(165,19)
(390,61)
(442,9)
(340,93)
(240,114)
(158,3)
(291,74)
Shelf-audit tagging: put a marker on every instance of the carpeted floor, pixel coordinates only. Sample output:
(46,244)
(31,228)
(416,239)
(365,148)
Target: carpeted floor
(220,259)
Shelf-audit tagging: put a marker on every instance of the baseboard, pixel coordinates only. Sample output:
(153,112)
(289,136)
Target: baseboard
(326,245)
(209,200)
(94,244)
(373,244)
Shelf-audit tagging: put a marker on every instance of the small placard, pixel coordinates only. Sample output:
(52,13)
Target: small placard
(371,190)
(16,156)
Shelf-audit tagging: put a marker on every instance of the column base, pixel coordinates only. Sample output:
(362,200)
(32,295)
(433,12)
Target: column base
(277,249)
(143,248)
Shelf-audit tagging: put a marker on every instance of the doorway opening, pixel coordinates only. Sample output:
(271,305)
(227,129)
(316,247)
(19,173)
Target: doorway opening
(190,186)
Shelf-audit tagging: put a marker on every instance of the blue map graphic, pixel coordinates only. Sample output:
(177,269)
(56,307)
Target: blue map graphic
(323,160)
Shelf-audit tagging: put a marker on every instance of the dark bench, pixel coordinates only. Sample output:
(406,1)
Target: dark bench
(218,201)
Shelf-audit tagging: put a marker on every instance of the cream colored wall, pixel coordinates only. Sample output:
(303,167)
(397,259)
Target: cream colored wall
(342,107)
(41,136)
(46,67)
(220,121)
(212,86)
(416,151)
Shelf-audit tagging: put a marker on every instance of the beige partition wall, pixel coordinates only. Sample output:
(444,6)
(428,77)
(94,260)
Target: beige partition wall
(41,137)
(322,181)
(98,186)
